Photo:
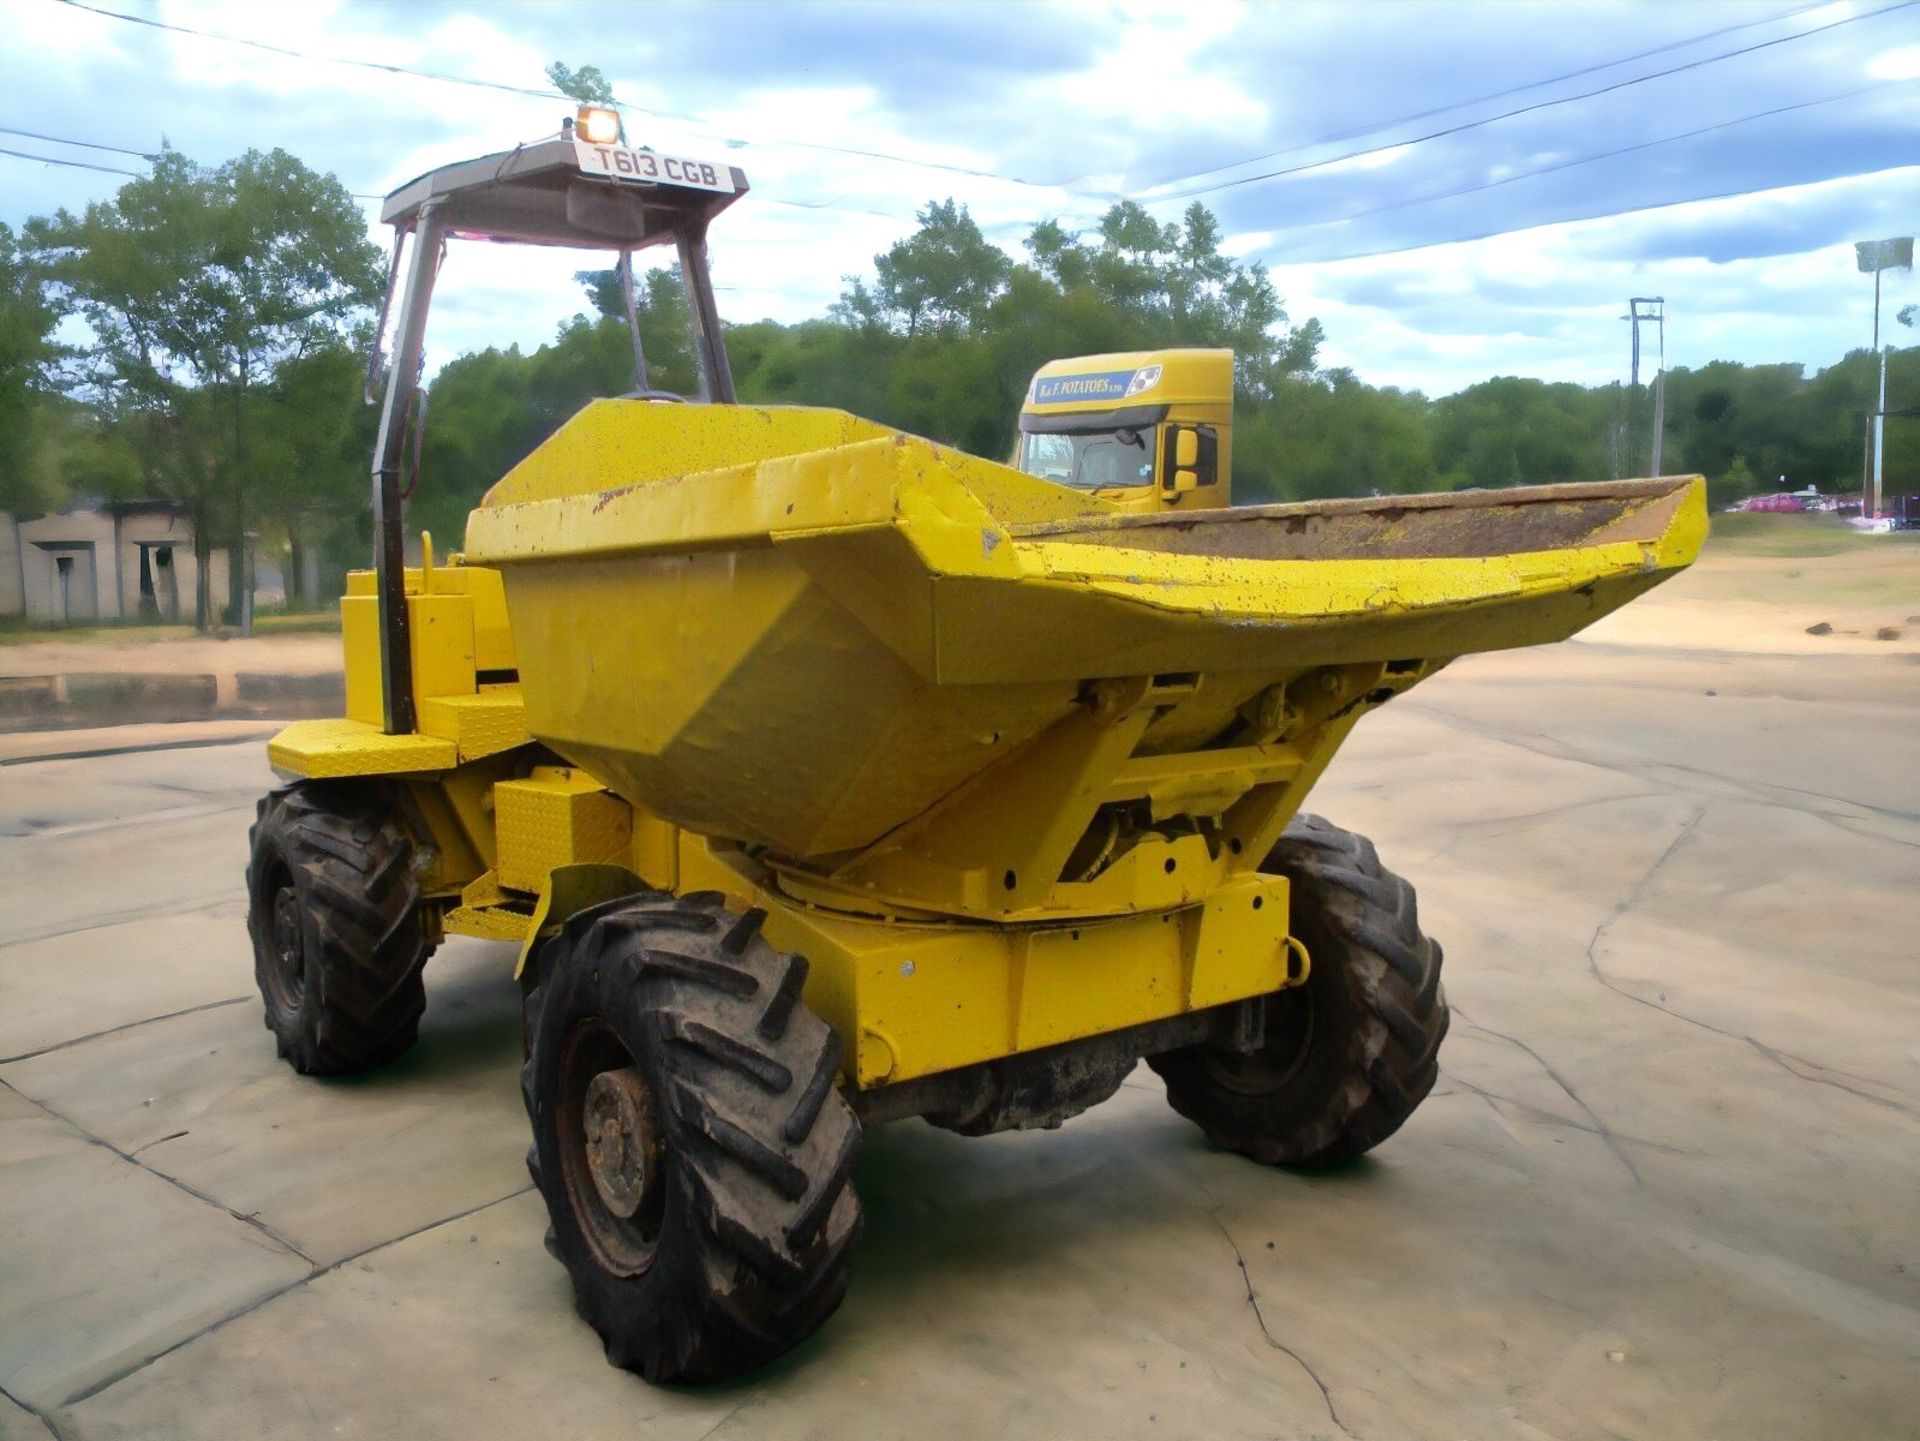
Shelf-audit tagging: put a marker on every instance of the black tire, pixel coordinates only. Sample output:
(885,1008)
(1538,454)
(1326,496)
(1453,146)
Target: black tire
(339,940)
(1348,1056)
(730,1239)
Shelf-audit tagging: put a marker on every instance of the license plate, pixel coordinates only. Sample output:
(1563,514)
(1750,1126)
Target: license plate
(650,167)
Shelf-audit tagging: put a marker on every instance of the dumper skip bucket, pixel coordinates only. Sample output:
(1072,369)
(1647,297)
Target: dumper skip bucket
(800,630)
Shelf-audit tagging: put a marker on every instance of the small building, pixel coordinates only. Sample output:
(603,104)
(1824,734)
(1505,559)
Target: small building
(99,562)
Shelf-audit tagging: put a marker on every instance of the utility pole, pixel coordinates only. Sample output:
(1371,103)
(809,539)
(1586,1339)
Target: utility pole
(1876,256)
(1880,405)
(1653,309)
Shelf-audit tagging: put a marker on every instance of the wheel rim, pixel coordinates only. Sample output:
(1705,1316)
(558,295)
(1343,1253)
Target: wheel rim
(610,1153)
(1288,1043)
(287,950)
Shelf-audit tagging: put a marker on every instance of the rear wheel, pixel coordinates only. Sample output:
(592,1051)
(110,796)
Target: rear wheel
(1349,1055)
(689,1137)
(338,936)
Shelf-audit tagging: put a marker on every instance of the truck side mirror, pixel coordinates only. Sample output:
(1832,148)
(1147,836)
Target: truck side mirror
(1186,459)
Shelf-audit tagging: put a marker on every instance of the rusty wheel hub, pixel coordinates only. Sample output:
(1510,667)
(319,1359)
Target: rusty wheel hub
(619,1142)
(610,1154)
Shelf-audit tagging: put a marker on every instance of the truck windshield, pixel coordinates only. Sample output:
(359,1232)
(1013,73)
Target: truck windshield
(1094,461)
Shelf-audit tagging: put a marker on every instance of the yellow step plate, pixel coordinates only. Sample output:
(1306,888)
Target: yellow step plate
(328,749)
(479,725)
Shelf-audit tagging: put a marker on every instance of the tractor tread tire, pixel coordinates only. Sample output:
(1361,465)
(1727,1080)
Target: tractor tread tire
(758,1142)
(1380,1014)
(351,863)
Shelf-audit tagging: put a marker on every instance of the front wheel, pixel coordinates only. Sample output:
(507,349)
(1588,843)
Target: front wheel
(689,1137)
(1349,1055)
(339,939)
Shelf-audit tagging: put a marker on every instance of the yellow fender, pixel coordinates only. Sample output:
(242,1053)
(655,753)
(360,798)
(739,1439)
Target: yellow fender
(570,890)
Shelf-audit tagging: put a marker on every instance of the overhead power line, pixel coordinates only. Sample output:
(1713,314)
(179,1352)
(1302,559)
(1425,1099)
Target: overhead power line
(1373,210)
(70,164)
(1537,105)
(150,155)
(1375,126)
(547,93)
(1427,199)
(292,54)
(83,144)
(1615,214)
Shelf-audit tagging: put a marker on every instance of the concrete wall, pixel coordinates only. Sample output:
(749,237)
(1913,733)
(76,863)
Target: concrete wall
(103,577)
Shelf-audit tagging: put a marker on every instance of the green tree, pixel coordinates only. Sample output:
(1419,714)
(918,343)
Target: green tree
(1726,408)
(1332,435)
(945,338)
(1734,484)
(28,356)
(666,324)
(488,410)
(1515,431)
(315,436)
(586,85)
(1171,285)
(197,284)
(940,279)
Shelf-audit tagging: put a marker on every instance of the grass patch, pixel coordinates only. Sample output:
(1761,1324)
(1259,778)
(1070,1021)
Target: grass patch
(1794,536)
(318,622)
(14,631)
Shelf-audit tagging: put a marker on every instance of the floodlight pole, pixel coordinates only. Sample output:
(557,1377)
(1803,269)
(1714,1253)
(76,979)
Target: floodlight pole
(1880,407)
(1878,255)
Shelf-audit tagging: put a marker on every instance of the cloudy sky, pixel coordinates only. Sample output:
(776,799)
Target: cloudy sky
(1439,238)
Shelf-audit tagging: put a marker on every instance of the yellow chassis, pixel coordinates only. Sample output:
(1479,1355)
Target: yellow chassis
(978,865)
(515,843)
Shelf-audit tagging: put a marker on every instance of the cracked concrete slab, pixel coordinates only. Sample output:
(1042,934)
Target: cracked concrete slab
(1438,1291)
(334,1166)
(1663,1187)
(103,1264)
(128,871)
(17,1423)
(57,990)
(965,1249)
(129,838)
(480,1314)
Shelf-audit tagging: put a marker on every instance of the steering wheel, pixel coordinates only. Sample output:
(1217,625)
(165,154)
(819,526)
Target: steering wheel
(666,395)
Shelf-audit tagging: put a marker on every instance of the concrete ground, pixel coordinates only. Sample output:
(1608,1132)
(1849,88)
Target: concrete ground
(1666,1187)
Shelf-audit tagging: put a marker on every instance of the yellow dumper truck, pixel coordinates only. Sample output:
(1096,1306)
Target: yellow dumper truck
(825,776)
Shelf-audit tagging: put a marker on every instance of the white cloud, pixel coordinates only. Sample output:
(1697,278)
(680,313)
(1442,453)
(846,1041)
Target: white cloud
(1367,160)
(1546,301)
(1124,92)
(1902,63)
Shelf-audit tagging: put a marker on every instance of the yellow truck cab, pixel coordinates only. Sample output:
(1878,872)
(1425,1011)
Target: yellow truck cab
(1144,430)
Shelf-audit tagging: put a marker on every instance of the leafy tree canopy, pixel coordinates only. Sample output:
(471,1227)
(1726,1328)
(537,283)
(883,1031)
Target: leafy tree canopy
(198,285)
(586,85)
(229,308)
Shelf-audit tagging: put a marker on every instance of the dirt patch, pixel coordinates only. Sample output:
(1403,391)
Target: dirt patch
(171,650)
(1735,600)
